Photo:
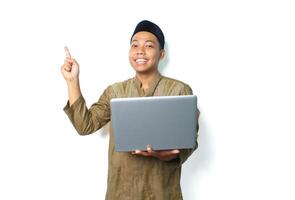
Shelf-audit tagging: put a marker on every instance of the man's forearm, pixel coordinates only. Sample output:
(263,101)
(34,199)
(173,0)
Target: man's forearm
(74,90)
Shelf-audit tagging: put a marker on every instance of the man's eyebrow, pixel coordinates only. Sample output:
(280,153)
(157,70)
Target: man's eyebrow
(150,41)
(135,40)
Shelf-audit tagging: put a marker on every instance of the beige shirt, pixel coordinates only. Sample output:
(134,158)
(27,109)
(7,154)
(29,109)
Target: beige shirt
(133,177)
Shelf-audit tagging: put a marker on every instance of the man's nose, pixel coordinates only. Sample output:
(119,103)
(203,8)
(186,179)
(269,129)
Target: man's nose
(140,50)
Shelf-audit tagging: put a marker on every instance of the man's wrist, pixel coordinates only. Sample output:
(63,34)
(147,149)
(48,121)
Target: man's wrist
(73,81)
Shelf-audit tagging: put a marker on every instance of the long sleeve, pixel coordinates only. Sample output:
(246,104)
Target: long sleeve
(87,121)
(185,153)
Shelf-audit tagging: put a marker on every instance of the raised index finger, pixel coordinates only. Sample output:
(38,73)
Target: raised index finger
(68,54)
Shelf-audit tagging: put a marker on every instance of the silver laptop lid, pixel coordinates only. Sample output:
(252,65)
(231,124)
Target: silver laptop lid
(164,122)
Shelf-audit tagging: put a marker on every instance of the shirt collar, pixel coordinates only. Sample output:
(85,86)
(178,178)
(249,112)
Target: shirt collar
(152,85)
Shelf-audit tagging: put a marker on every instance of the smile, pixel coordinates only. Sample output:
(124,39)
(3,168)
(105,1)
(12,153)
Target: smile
(141,61)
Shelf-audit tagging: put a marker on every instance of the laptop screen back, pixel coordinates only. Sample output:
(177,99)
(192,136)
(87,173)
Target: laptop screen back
(163,122)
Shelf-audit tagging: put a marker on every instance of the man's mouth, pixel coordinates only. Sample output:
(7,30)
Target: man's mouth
(140,61)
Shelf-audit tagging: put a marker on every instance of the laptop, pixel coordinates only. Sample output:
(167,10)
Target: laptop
(163,122)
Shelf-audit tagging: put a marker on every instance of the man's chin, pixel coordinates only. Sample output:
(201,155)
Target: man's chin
(141,69)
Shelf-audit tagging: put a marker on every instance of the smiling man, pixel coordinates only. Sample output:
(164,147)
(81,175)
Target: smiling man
(138,175)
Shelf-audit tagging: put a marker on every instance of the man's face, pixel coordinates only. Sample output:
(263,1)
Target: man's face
(145,53)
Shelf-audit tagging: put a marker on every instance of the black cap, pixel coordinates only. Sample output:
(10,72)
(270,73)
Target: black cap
(148,26)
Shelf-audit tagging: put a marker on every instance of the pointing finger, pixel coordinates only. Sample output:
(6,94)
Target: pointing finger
(67,51)
(69,60)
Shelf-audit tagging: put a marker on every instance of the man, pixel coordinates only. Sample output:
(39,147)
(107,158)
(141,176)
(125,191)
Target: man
(138,175)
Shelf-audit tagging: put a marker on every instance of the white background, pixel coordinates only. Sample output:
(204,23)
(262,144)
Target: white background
(238,56)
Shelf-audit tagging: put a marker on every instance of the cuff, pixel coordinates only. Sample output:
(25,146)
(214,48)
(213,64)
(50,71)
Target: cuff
(69,109)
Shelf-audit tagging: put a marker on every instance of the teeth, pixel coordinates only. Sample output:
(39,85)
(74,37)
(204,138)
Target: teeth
(140,61)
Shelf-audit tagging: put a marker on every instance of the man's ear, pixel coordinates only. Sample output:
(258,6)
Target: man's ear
(162,54)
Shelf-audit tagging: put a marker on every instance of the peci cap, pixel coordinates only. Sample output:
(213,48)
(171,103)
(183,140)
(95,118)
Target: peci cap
(148,26)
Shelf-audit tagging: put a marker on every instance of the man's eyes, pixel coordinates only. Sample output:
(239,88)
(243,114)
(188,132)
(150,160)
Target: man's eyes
(146,45)
(150,45)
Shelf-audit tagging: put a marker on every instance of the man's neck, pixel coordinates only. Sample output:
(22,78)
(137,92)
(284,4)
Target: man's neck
(145,79)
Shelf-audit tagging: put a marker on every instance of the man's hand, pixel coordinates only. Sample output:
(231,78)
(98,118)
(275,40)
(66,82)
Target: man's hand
(70,72)
(70,68)
(164,155)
